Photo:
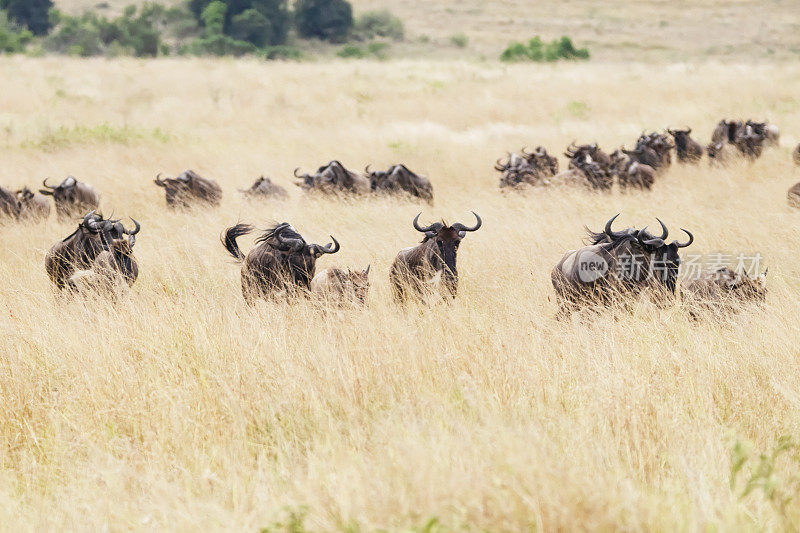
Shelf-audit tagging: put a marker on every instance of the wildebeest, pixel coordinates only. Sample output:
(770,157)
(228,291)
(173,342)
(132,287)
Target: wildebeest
(33,206)
(770,132)
(9,204)
(796,155)
(516,171)
(722,291)
(750,142)
(416,267)
(616,263)
(546,164)
(593,164)
(638,176)
(341,287)
(72,198)
(281,261)
(688,150)
(793,196)
(115,267)
(653,149)
(589,153)
(265,188)
(79,250)
(398,178)
(720,153)
(333,178)
(727,131)
(188,189)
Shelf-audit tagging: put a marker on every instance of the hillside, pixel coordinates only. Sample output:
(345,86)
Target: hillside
(636,30)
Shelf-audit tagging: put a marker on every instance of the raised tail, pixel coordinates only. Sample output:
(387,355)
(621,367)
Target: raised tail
(229,237)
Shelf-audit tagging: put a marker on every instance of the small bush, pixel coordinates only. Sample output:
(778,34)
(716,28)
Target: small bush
(372,24)
(329,20)
(537,50)
(459,40)
(13,38)
(351,51)
(283,52)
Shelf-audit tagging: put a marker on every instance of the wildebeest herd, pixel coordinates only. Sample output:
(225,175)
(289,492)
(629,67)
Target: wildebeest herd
(98,255)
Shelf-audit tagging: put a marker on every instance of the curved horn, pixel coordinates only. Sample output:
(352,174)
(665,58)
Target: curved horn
(664,230)
(526,152)
(691,239)
(158,181)
(461,227)
(44,182)
(295,173)
(329,248)
(688,130)
(608,231)
(418,227)
(135,231)
(367,170)
(89,222)
(650,242)
(499,165)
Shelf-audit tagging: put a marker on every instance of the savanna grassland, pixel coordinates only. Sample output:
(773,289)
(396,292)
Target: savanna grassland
(181,408)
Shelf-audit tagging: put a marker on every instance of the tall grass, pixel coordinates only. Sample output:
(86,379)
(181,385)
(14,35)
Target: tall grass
(181,408)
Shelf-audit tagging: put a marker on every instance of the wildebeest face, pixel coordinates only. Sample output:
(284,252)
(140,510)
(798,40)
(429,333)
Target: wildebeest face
(65,193)
(446,240)
(664,258)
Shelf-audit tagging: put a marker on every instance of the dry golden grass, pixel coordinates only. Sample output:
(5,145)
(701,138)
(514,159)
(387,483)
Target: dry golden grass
(180,408)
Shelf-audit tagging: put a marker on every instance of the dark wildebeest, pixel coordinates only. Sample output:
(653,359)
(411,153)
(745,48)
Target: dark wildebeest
(517,170)
(72,198)
(79,250)
(189,188)
(616,263)
(333,178)
(281,261)
(654,150)
(400,179)
(727,131)
(723,291)
(687,149)
(594,164)
(589,153)
(793,196)
(770,132)
(33,206)
(638,176)
(796,155)
(751,143)
(115,267)
(545,163)
(341,287)
(417,267)
(265,188)
(9,204)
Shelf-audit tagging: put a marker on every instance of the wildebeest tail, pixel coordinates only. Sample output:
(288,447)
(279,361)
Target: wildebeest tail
(229,237)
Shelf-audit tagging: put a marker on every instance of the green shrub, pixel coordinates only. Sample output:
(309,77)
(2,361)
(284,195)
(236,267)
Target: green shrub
(33,14)
(351,51)
(536,50)
(13,38)
(329,20)
(260,22)
(76,36)
(459,40)
(378,49)
(372,24)
(283,52)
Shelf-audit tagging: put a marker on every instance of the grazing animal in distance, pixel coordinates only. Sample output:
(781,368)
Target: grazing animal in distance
(793,196)
(265,188)
(615,264)
(333,178)
(72,198)
(9,204)
(687,149)
(341,287)
(33,206)
(189,189)
(399,179)
(79,250)
(416,267)
(723,291)
(281,262)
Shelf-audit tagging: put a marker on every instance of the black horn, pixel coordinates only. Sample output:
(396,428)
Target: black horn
(419,228)
(684,245)
(664,230)
(461,227)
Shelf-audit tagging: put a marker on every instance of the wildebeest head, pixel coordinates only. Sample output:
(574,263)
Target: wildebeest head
(446,240)
(300,256)
(680,136)
(65,193)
